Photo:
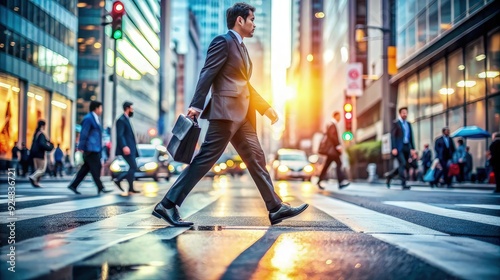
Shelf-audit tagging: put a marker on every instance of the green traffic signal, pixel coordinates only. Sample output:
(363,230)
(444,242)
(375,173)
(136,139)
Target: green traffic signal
(347,136)
(117,34)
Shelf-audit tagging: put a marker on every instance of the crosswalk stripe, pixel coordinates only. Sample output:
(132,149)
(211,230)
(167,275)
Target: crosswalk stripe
(41,255)
(32,198)
(450,213)
(460,256)
(483,206)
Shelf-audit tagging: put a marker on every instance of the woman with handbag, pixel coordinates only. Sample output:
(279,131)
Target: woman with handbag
(40,146)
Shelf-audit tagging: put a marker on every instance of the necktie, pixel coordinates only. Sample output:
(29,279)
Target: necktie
(246,57)
(446,142)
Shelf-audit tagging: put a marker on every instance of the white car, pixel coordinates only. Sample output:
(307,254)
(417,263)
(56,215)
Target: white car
(292,164)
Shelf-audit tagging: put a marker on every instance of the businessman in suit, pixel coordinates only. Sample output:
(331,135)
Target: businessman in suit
(444,148)
(126,146)
(426,158)
(334,153)
(91,145)
(231,112)
(402,147)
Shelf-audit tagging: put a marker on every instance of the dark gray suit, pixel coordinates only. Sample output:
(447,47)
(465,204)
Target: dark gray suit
(231,112)
(125,138)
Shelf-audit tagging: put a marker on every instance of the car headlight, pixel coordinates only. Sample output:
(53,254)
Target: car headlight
(243,165)
(115,167)
(283,168)
(223,166)
(308,169)
(171,168)
(149,166)
(217,169)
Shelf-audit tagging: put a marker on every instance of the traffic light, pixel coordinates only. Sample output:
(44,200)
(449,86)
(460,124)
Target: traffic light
(348,115)
(117,13)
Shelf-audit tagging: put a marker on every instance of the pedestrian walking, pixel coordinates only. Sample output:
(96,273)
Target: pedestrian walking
(58,159)
(495,159)
(40,146)
(126,146)
(445,149)
(334,153)
(25,160)
(459,158)
(402,147)
(15,158)
(231,112)
(469,165)
(67,163)
(90,145)
(426,158)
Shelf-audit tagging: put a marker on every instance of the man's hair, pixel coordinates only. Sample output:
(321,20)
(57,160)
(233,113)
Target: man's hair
(460,141)
(94,105)
(238,10)
(127,105)
(403,108)
(445,128)
(336,113)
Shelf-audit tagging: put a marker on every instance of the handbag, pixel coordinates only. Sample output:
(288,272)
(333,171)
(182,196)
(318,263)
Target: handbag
(429,176)
(454,170)
(184,139)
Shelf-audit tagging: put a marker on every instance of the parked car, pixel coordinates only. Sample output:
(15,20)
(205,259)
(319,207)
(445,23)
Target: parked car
(292,164)
(175,167)
(153,162)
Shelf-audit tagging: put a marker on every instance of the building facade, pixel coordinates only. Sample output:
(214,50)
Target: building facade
(38,59)
(449,68)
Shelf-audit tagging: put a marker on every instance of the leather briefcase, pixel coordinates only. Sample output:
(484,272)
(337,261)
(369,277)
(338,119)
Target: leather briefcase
(184,139)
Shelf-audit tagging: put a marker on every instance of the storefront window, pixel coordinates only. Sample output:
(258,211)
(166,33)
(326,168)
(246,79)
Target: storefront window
(456,119)
(474,68)
(476,113)
(456,73)
(402,97)
(60,125)
(416,136)
(38,100)
(9,114)
(494,114)
(425,133)
(439,88)
(425,93)
(412,98)
(438,122)
(492,73)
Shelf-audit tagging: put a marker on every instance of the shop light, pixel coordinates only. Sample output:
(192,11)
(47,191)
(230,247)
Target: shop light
(461,67)
(31,94)
(38,97)
(480,57)
(488,74)
(16,89)
(4,85)
(59,104)
(446,91)
(466,84)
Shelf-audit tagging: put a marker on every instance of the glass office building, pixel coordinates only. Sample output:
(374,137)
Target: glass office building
(37,70)
(449,68)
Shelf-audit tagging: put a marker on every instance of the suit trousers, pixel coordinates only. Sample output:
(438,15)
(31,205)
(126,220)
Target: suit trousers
(444,164)
(40,167)
(130,175)
(245,141)
(340,172)
(92,164)
(403,167)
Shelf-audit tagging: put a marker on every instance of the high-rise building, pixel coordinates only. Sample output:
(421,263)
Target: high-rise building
(448,62)
(38,57)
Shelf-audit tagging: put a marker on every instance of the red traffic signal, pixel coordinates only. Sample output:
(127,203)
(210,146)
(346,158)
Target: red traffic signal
(118,9)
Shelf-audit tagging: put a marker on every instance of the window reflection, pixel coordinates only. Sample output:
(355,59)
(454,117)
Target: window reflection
(439,88)
(412,98)
(456,73)
(474,86)
(425,93)
(493,71)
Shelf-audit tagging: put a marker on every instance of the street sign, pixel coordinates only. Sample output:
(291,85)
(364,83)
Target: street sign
(354,79)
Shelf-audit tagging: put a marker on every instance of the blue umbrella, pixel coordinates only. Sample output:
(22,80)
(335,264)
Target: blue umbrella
(78,128)
(471,132)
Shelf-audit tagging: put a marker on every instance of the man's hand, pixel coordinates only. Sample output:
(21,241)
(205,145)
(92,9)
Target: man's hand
(394,152)
(272,115)
(126,150)
(192,113)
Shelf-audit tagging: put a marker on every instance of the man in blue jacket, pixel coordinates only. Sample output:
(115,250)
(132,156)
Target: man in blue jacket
(91,145)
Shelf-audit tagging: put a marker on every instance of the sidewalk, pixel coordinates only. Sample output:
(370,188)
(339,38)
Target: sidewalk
(465,186)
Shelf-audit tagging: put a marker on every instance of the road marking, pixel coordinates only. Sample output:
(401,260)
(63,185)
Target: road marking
(32,198)
(424,207)
(484,206)
(42,255)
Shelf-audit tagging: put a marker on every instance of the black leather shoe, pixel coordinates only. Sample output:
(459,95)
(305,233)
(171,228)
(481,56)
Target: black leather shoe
(388,183)
(344,184)
(133,191)
(286,211)
(319,185)
(171,216)
(74,190)
(117,183)
(103,191)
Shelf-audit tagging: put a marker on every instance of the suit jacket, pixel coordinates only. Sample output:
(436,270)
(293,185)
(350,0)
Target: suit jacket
(397,135)
(427,158)
(225,71)
(442,152)
(90,135)
(125,137)
(495,152)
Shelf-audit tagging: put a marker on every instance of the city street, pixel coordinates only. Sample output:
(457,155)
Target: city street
(361,232)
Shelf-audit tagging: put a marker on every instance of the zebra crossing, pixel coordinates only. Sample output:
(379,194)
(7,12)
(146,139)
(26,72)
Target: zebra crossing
(463,257)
